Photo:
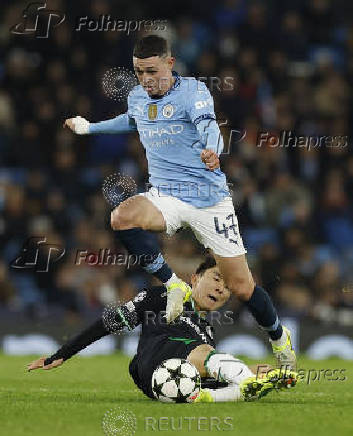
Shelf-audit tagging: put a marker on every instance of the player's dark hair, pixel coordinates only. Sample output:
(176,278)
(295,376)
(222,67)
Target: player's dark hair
(151,45)
(208,263)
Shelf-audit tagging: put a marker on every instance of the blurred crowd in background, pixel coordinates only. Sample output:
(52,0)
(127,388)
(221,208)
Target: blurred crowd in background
(292,64)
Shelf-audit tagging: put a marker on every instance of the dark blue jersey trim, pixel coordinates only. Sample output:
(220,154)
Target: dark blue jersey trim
(204,117)
(176,84)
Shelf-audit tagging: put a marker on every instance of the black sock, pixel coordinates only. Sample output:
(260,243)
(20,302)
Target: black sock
(144,245)
(261,307)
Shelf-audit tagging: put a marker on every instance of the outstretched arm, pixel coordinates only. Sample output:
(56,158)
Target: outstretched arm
(79,342)
(129,316)
(121,124)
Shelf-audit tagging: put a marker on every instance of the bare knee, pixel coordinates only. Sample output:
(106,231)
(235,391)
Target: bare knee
(123,218)
(237,276)
(241,287)
(198,356)
(137,212)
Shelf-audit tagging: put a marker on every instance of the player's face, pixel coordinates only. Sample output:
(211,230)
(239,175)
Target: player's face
(209,290)
(154,74)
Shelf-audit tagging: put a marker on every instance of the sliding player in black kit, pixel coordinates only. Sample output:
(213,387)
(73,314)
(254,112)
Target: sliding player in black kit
(190,337)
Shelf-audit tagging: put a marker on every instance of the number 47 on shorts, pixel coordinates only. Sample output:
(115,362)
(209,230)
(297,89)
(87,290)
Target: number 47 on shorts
(227,229)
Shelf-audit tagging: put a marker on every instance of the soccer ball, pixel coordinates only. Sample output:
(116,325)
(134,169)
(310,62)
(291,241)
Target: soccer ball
(176,381)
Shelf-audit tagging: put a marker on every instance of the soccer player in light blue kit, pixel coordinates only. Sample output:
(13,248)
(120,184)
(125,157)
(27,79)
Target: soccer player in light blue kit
(175,119)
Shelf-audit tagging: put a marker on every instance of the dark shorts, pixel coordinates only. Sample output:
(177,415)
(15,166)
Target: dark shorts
(141,367)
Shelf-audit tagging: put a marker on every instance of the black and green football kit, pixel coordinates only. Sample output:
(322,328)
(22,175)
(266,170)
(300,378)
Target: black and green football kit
(158,340)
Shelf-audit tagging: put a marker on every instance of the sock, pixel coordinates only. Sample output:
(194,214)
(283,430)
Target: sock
(227,368)
(144,245)
(280,341)
(261,307)
(230,393)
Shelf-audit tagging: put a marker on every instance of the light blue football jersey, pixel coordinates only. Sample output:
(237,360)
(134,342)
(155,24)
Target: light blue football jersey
(168,132)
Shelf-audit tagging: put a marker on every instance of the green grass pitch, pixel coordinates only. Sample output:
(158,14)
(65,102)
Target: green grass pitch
(72,400)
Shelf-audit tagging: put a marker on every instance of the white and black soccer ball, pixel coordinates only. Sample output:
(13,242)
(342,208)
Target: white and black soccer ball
(176,381)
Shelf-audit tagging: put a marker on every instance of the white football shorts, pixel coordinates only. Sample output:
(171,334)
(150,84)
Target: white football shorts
(215,227)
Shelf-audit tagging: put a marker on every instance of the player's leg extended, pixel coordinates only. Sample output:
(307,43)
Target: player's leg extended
(198,357)
(243,383)
(239,280)
(135,222)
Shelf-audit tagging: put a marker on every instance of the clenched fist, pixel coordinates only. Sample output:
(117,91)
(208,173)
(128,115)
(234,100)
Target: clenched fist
(211,159)
(78,125)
